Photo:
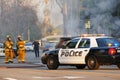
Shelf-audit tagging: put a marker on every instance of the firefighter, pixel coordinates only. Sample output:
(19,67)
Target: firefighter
(21,50)
(8,45)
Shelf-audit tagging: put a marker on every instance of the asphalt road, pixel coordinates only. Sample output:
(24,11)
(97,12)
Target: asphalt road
(33,69)
(31,60)
(61,74)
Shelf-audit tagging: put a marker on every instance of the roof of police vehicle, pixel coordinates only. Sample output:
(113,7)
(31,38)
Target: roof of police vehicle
(92,36)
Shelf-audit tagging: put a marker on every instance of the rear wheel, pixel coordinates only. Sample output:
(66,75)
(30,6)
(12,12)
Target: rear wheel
(52,62)
(92,63)
(82,66)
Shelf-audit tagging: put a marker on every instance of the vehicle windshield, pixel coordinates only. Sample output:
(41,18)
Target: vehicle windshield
(107,42)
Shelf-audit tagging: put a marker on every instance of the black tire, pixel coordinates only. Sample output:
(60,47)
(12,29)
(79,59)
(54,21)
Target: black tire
(118,65)
(92,63)
(82,66)
(52,62)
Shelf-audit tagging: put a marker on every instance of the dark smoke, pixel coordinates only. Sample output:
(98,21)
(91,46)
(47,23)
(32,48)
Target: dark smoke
(100,13)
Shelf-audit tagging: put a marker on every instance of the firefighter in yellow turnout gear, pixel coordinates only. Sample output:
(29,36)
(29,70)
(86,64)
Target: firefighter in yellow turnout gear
(21,50)
(8,44)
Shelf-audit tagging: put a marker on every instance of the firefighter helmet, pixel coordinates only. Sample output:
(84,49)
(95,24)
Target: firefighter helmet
(8,36)
(19,36)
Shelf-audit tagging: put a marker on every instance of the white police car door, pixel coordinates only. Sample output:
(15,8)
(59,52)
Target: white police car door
(75,52)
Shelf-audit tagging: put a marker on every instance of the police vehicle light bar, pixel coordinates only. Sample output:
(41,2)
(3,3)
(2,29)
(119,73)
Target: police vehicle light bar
(91,35)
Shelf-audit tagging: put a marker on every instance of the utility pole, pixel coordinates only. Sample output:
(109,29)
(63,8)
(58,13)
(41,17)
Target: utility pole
(1,18)
(63,5)
(65,17)
(1,6)
(87,24)
(28,33)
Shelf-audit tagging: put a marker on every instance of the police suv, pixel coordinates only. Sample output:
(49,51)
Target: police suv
(90,50)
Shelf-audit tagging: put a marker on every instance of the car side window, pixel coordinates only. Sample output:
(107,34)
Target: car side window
(105,42)
(84,43)
(72,43)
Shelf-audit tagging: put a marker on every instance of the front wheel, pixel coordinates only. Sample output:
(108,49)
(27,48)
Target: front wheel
(92,63)
(52,62)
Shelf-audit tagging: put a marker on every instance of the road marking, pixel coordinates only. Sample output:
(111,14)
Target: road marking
(10,79)
(73,77)
(42,77)
(65,77)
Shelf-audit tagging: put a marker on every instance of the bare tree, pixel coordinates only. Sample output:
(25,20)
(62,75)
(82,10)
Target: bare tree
(17,17)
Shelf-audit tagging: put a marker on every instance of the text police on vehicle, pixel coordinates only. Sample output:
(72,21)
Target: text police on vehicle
(90,50)
(71,53)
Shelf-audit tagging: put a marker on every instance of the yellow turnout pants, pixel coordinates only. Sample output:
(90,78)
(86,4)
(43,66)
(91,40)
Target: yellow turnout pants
(21,55)
(9,55)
